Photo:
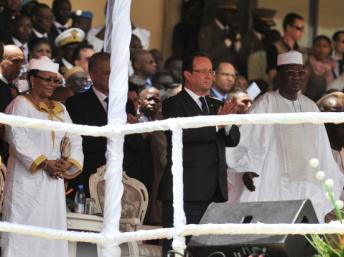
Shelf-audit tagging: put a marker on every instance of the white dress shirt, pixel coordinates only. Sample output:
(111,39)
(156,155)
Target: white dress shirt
(102,98)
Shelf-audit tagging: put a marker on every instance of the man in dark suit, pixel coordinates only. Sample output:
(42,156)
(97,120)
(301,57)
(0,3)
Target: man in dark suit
(90,108)
(9,71)
(62,10)
(205,176)
(42,22)
(221,38)
(10,12)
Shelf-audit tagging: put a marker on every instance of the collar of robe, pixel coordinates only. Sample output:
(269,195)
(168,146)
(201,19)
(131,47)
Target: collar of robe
(43,107)
(52,112)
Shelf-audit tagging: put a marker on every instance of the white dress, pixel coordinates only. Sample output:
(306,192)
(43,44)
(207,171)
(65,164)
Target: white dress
(280,154)
(32,197)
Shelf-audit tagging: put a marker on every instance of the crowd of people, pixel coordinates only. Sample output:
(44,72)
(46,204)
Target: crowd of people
(54,67)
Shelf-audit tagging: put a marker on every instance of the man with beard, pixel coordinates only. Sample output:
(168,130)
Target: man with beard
(278,156)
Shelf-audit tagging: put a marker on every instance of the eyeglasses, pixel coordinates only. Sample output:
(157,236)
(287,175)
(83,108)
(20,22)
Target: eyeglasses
(205,72)
(233,75)
(298,28)
(49,80)
(295,73)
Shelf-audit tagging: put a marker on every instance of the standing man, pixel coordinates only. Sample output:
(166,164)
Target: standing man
(90,108)
(293,27)
(278,156)
(223,81)
(144,68)
(10,67)
(338,52)
(62,12)
(82,55)
(221,38)
(21,32)
(203,148)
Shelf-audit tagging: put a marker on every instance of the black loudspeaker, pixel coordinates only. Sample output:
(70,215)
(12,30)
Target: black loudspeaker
(300,211)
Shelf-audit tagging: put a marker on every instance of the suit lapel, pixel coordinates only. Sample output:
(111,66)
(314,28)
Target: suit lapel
(95,105)
(213,105)
(191,106)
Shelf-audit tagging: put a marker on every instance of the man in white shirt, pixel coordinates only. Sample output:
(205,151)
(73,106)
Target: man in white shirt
(277,156)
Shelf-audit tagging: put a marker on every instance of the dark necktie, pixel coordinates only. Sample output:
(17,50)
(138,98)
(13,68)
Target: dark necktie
(205,109)
(106,100)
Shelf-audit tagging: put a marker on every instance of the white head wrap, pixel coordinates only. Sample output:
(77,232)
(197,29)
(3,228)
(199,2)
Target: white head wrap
(291,57)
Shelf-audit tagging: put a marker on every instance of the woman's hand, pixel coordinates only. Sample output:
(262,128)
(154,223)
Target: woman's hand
(50,167)
(63,165)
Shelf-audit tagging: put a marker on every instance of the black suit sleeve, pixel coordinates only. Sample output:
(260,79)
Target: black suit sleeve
(74,110)
(233,137)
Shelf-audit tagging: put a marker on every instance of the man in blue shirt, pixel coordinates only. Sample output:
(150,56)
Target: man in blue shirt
(223,81)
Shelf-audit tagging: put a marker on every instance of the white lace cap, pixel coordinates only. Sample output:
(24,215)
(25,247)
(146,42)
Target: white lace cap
(291,57)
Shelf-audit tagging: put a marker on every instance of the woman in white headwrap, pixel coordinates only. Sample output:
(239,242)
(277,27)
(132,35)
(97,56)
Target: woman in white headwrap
(38,162)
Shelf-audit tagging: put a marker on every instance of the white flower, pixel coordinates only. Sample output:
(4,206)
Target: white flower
(320,175)
(314,162)
(339,204)
(329,183)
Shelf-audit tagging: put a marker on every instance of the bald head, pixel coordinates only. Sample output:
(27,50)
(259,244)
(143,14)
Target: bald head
(12,62)
(333,102)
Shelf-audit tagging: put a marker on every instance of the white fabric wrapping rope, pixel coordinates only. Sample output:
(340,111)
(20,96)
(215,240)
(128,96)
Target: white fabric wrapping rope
(179,219)
(191,122)
(203,229)
(118,92)
(48,233)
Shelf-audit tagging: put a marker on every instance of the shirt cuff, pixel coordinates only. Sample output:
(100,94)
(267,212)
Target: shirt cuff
(36,163)
(227,129)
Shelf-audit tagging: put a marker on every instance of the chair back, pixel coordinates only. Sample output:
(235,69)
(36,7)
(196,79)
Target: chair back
(134,199)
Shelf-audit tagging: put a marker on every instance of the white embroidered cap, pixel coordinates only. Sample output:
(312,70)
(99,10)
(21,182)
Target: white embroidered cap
(291,57)
(44,64)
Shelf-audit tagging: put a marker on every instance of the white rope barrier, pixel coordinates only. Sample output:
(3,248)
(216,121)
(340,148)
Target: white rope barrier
(179,219)
(190,122)
(112,238)
(187,230)
(46,233)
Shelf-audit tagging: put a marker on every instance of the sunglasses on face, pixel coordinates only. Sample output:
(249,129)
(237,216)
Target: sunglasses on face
(295,73)
(298,28)
(49,79)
